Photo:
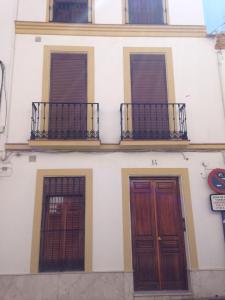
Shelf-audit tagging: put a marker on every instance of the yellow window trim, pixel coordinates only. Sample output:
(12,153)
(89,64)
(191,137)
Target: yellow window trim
(147,50)
(182,174)
(87,173)
(48,51)
(167,52)
(49,13)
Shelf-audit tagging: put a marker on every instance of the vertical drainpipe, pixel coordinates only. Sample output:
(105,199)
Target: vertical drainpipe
(12,60)
(221,70)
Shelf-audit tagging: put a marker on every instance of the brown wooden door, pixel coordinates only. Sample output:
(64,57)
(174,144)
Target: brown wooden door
(158,249)
(150,118)
(68,96)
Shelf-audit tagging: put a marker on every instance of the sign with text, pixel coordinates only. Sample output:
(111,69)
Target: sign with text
(218,202)
(216,180)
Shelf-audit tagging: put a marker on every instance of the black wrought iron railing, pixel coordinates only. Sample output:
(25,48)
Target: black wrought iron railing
(66,121)
(153,121)
(69,11)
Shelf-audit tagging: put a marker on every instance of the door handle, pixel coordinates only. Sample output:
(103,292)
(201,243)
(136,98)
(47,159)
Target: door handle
(159,238)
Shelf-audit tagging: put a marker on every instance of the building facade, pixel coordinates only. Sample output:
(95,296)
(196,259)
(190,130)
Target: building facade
(116,116)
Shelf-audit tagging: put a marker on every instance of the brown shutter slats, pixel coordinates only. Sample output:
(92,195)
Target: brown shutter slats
(148,78)
(68,85)
(62,229)
(145,11)
(149,87)
(68,77)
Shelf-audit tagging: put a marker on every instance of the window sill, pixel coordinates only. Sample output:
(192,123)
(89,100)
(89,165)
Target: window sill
(64,145)
(154,144)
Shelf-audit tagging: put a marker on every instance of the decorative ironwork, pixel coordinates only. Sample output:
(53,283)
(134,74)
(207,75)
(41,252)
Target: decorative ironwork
(64,121)
(155,121)
(63,224)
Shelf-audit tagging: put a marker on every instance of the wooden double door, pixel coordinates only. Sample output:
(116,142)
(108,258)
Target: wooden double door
(158,250)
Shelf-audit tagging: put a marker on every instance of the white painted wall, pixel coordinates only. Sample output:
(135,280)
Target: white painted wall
(108,12)
(18,194)
(8,15)
(181,12)
(186,12)
(195,74)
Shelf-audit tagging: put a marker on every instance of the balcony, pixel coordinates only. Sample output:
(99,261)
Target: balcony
(64,121)
(144,121)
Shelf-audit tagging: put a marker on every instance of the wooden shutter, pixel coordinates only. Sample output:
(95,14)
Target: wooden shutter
(68,84)
(68,77)
(70,11)
(148,78)
(149,86)
(145,11)
(62,228)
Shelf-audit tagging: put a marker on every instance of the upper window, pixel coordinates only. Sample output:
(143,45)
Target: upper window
(146,12)
(70,11)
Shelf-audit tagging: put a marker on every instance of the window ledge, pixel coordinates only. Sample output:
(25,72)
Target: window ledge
(64,145)
(153,144)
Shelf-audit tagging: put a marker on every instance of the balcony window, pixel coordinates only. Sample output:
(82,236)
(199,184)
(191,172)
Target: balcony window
(67,114)
(150,113)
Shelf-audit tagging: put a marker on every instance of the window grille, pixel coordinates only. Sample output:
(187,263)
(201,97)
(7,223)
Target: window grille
(63,224)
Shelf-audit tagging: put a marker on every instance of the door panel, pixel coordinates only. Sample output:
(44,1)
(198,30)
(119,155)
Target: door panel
(143,233)
(170,230)
(157,235)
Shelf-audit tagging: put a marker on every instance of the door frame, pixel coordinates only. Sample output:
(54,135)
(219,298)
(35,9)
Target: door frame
(186,206)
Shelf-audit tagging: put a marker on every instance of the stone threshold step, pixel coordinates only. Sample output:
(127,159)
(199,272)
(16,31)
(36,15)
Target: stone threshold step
(162,293)
(171,295)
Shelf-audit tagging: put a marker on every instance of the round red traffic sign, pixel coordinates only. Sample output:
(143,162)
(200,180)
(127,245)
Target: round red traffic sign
(216,180)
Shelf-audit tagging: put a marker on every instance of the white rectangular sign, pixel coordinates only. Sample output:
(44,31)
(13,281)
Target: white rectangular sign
(218,202)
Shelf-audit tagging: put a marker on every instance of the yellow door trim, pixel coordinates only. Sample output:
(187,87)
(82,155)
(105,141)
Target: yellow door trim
(191,249)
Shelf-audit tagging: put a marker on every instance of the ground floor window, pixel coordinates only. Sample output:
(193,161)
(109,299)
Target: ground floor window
(62,224)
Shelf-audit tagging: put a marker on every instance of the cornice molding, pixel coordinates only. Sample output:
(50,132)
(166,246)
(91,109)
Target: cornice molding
(220,41)
(127,30)
(172,146)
